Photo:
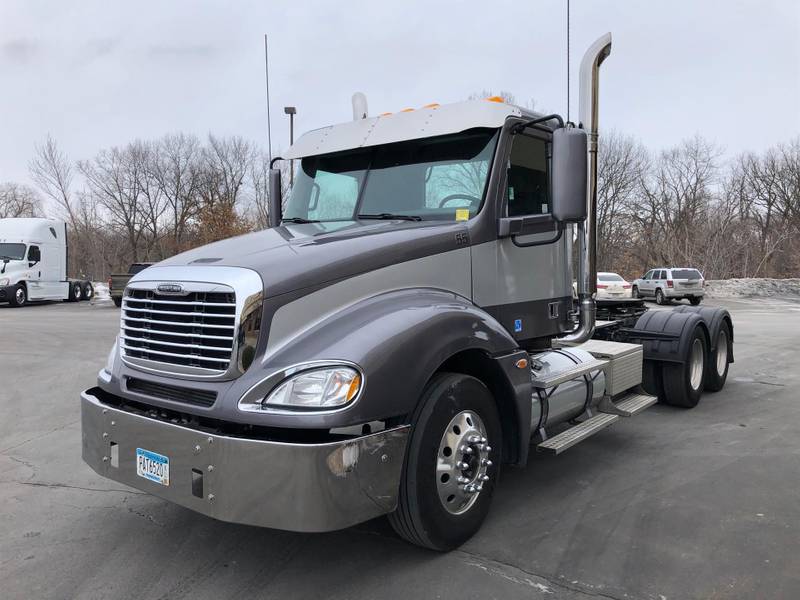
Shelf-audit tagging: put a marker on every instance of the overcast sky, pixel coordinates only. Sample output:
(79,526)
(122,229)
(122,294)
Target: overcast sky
(96,74)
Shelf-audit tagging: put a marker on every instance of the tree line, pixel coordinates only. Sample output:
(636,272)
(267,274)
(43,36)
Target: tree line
(681,206)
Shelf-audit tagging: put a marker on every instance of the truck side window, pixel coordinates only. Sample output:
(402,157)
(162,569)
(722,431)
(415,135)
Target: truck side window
(527,184)
(34,255)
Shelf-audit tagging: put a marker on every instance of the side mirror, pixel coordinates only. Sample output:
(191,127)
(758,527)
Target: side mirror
(569,179)
(275,200)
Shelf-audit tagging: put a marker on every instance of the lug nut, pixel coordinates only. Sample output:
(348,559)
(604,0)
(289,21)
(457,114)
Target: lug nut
(488,448)
(468,450)
(462,465)
(483,440)
(479,488)
(484,478)
(486,462)
(462,479)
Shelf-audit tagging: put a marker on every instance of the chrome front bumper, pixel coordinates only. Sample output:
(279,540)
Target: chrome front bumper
(296,487)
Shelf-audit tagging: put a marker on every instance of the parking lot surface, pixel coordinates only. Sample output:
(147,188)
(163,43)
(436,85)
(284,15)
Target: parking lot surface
(669,504)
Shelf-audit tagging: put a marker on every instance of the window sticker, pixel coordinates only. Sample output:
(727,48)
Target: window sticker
(462,214)
(510,192)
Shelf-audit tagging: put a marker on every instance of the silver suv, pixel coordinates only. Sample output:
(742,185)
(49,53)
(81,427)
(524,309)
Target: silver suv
(670,284)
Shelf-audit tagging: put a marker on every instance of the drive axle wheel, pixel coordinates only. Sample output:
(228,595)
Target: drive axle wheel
(683,382)
(717,370)
(75,291)
(451,463)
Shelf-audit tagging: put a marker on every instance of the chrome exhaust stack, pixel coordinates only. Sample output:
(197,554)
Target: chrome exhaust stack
(588,100)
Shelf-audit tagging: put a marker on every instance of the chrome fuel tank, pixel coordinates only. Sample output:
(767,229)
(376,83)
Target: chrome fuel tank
(567,400)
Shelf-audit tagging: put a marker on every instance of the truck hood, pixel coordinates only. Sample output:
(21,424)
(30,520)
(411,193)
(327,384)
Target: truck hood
(293,257)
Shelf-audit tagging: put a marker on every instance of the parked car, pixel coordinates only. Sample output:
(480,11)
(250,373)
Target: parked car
(118,281)
(612,286)
(665,284)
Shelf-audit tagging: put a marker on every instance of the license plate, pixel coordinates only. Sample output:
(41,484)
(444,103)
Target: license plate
(152,466)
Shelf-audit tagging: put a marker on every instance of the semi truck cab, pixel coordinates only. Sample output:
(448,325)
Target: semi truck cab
(33,252)
(403,331)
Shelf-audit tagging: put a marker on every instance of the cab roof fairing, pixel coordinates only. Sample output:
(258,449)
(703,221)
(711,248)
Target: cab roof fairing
(404,126)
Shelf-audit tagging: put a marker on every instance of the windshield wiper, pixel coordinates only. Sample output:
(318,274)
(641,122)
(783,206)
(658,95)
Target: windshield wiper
(299,220)
(391,216)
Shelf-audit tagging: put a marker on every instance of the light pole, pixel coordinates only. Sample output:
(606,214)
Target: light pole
(291,111)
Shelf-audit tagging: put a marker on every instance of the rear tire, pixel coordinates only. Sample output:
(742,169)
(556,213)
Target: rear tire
(660,299)
(20,296)
(694,300)
(75,291)
(652,379)
(683,382)
(88,290)
(717,369)
(434,507)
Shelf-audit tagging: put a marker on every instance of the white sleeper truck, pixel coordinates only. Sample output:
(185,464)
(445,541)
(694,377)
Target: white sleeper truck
(33,263)
(404,331)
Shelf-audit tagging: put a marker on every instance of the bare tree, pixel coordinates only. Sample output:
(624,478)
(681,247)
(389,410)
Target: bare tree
(18,200)
(175,167)
(54,174)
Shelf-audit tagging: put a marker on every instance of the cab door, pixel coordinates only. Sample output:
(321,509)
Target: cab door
(37,289)
(525,281)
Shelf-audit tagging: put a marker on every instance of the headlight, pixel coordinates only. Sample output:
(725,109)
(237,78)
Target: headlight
(4,281)
(314,389)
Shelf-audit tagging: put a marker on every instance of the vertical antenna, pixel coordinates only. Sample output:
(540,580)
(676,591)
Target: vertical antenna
(567,60)
(266,73)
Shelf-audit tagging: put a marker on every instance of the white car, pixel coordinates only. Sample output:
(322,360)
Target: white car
(665,284)
(611,286)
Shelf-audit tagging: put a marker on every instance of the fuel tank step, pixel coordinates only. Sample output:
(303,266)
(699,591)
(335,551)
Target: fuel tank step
(559,377)
(566,439)
(634,403)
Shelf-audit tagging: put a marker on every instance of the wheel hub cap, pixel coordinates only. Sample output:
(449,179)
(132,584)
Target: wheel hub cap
(463,462)
(722,352)
(20,296)
(696,365)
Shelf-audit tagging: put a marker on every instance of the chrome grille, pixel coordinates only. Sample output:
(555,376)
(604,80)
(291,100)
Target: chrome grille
(194,330)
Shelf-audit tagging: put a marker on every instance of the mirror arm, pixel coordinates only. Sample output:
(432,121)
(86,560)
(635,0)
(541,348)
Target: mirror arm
(520,127)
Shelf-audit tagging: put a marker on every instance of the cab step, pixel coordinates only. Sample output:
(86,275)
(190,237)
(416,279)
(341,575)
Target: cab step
(566,439)
(559,377)
(630,404)
(635,403)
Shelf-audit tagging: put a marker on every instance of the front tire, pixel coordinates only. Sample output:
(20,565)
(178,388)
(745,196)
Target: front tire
(695,300)
(451,465)
(717,370)
(20,296)
(683,382)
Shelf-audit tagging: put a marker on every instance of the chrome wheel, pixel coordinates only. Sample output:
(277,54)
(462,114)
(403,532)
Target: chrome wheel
(462,463)
(77,292)
(696,364)
(19,296)
(722,352)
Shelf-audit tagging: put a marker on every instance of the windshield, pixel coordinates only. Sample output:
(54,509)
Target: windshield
(686,274)
(441,178)
(609,277)
(12,251)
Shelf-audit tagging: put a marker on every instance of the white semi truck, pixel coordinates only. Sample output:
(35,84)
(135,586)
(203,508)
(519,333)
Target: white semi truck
(33,263)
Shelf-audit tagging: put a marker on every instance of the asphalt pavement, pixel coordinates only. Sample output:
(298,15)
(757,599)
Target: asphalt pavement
(670,504)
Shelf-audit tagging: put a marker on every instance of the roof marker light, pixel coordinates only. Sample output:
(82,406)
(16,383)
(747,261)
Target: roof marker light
(496,99)
(432,105)
(407,110)
(386,114)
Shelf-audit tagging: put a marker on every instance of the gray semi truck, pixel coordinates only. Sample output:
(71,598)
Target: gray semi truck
(404,330)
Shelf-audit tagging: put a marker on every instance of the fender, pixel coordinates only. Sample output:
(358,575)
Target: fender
(713,317)
(676,325)
(399,339)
